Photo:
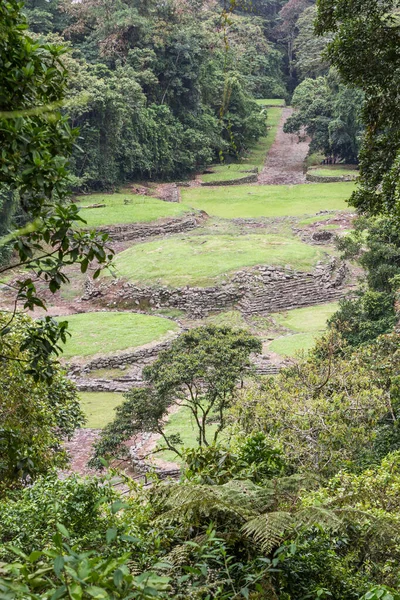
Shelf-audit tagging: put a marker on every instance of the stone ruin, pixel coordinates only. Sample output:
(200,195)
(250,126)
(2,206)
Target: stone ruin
(141,231)
(260,290)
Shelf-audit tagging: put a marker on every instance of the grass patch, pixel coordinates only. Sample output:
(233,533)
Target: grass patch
(290,345)
(309,319)
(310,322)
(125,208)
(334,172)
(230,318)
(255,158)
(200,259)
(107,332)
(330,227)
(98,407)
(252,201)
(317,219)
(111,373)
(181,423)
(271,102)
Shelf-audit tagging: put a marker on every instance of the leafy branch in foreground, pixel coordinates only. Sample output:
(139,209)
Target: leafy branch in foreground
(36,142)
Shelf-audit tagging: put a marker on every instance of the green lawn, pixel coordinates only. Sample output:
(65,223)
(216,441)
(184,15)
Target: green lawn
(271,102)
(309,322)
(334,172)
(255,158)
(309,319)
(126,208)
(200,259)
(317,219)
(107,332)
(292,344)
(252,201)
(98,407)
(181,423)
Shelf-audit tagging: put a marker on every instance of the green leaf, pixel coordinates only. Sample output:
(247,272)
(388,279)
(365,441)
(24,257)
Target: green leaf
(63,530)
(118,577)
(34,556)
(59,593)
(75,591)
(96,592)
(111,534)
(117,506)
(58,565)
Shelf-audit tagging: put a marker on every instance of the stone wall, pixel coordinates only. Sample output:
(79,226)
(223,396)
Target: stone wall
(137,231)
(319,179)
(260,290)
(284,290)
(141,356)
(139,359)
(253,178)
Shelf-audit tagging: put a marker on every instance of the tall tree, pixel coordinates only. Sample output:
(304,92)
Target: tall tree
(201,371)
(287,28)
(308,47)
(366,51)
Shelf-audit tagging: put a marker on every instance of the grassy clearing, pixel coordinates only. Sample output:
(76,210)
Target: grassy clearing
(309,319)
(317,219)
(255,158)
(199,260)
(252,201)
(310,322)
(334,172)
(271,102)
(292,344)
(126,208)
(98,407)
(230,318)
(181,423)
(107,332)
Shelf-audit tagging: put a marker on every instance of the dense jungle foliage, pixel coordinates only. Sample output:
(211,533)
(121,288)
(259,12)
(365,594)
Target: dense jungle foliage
(293,492)
(159,90)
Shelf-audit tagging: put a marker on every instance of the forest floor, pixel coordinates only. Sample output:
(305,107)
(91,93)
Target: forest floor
(285,160)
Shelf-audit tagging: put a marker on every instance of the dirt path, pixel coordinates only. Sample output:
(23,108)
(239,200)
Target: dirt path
(284,164)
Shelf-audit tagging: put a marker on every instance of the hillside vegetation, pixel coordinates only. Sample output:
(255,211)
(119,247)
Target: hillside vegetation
(217,415)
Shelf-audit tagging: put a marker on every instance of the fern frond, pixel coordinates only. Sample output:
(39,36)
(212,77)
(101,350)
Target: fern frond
(269,529)
(318,515)
(195,501)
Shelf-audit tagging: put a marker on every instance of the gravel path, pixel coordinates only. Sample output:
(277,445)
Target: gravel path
(284,164)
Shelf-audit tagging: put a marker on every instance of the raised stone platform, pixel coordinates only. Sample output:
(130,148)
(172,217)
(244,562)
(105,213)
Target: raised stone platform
(140,231)
(321,179)
(261,290)
(253,178)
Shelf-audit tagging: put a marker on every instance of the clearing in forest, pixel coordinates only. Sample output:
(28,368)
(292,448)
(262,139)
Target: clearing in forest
(125,207)
(253,201)
(106,332)
(256,156)
(198,260)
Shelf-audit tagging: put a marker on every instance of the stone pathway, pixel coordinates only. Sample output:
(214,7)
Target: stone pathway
(284,164)
(80,451)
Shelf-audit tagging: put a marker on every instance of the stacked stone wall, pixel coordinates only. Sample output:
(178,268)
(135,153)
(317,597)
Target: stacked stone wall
(261,290)
(320,179)
(139,231)
(253,178)
(139,360)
